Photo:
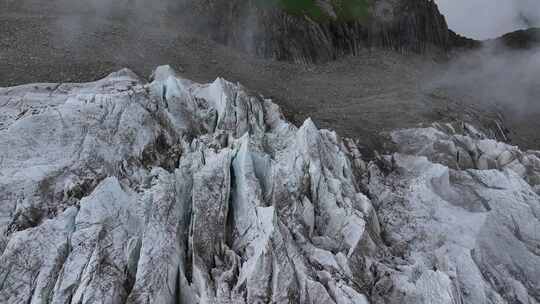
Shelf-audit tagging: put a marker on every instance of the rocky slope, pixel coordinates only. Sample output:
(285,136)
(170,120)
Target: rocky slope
(120,191)
(314,31)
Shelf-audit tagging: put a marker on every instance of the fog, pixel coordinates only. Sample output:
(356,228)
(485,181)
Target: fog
(495,77)
(485,19)
(492,75)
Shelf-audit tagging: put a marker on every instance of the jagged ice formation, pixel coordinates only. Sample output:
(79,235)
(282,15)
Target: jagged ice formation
(121,191)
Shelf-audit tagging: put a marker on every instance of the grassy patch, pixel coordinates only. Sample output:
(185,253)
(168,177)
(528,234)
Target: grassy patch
(350,10)
(346,10)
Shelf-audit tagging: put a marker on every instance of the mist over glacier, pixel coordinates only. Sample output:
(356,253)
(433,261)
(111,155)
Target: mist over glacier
(351,161)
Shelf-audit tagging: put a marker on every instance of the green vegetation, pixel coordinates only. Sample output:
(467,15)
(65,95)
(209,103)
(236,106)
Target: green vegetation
(349,10)
(346,10)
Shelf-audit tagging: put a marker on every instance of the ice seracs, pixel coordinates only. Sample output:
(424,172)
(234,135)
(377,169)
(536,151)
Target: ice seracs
(475,232)
(121,191)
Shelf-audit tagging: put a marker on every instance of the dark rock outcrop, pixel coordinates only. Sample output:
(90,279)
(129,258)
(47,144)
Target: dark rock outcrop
(272,32)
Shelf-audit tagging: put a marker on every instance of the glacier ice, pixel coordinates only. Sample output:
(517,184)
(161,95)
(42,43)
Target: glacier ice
(122,191)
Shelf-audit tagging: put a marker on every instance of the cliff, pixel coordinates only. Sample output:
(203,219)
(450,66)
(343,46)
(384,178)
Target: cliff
(322,30)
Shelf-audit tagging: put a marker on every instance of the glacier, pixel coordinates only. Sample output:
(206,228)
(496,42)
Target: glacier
(170,191)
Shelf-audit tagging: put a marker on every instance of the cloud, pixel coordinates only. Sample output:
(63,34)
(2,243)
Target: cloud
(485,19)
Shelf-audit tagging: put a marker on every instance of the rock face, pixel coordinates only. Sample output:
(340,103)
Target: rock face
(120,191)
(301,36)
